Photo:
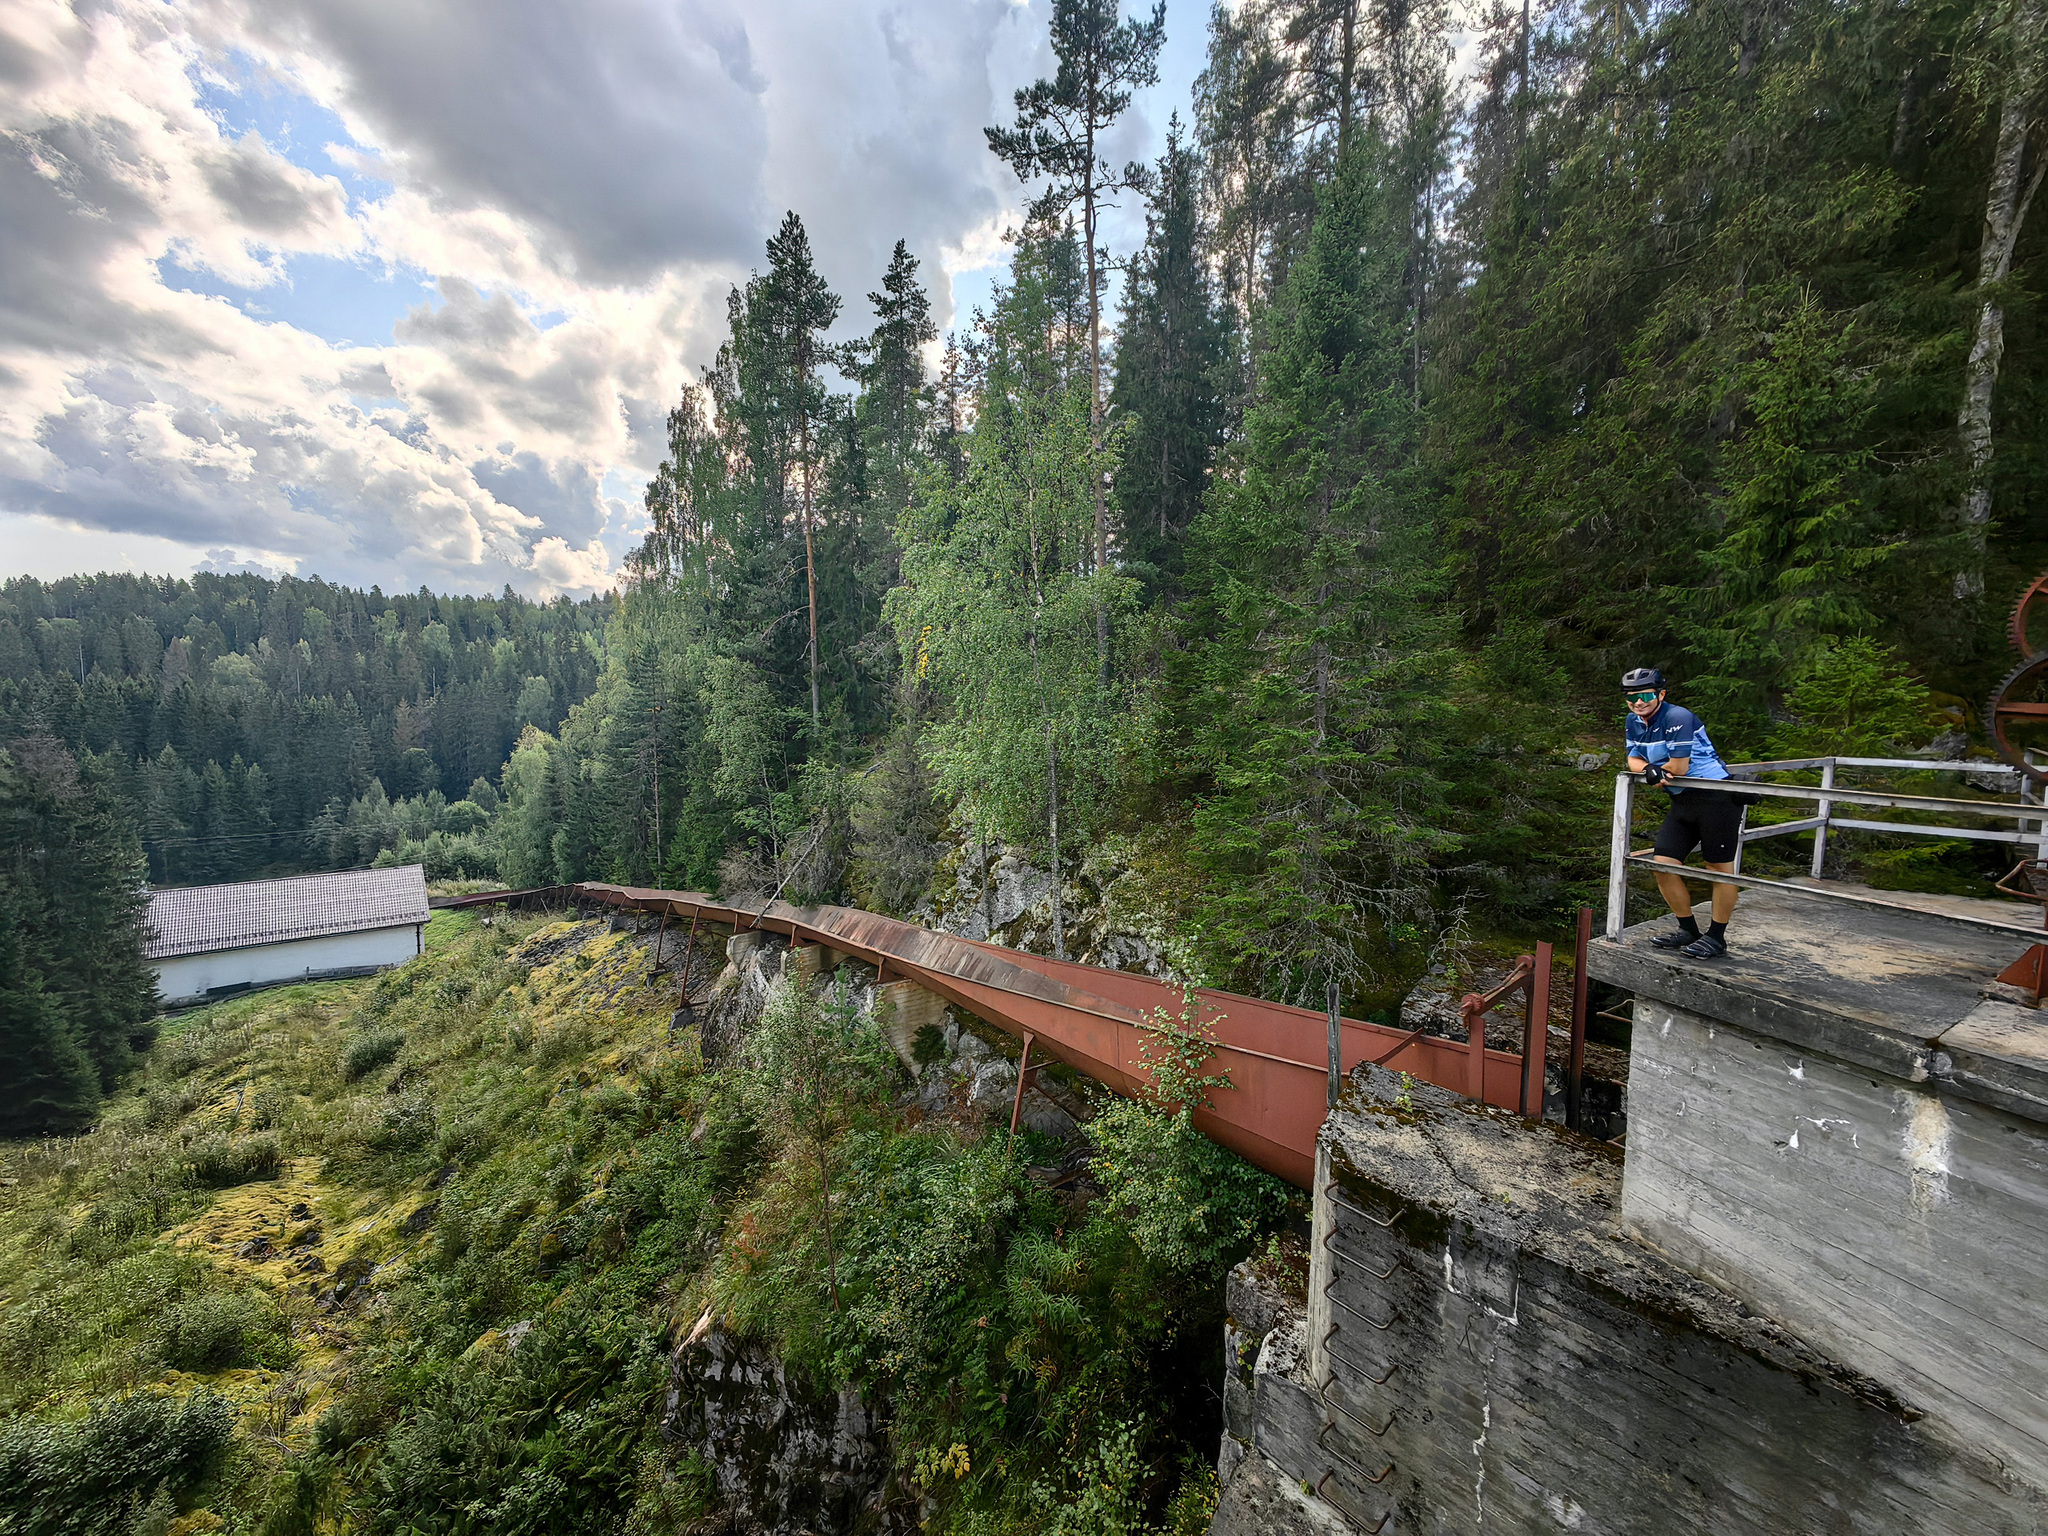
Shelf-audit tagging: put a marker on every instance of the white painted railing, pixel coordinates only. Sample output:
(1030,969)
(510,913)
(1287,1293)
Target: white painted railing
(2026,811)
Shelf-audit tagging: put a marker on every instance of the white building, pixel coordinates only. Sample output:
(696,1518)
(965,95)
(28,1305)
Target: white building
(209,940)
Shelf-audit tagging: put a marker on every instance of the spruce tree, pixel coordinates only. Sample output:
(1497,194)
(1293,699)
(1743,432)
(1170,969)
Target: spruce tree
(1170,368)
(1313,655)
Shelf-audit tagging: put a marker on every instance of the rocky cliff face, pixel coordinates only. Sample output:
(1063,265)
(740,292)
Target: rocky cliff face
(788,1456)
(992,892)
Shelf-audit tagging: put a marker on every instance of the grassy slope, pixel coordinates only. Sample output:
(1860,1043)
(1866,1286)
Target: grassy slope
(125,1259)
(489,1187)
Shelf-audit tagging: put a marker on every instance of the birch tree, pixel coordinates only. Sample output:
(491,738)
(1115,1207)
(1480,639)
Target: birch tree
(2018,33)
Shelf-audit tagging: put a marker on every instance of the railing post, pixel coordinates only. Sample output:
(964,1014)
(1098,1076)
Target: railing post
(1336,1046)
(1617,853)
(1820,833)
(2041,826)
(1475,1047)
(1576,1065)
(1536,1035)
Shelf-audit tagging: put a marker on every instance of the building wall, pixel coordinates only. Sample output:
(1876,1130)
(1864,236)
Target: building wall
(1897,1225)
(1485,1351)
(185,978)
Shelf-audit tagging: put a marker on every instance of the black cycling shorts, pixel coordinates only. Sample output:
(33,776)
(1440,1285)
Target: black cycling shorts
(1704,819)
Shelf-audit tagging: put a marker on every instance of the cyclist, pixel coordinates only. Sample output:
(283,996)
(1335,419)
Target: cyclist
(1668,744)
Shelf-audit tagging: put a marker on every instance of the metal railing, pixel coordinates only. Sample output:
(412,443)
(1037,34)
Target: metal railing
(2029,832)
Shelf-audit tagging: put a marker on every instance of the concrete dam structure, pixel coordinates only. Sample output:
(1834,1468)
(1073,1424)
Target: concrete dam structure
(1810,1297)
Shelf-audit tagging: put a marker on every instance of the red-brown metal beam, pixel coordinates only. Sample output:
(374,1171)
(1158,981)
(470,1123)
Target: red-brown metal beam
(1096,1021)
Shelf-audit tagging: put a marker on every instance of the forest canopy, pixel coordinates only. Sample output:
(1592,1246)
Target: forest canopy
(1300,544)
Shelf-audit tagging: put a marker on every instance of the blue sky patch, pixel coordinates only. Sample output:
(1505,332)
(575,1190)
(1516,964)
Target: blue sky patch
(342,301)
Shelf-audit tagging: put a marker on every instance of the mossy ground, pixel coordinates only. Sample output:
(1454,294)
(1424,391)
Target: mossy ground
(425,1242)
(485,1118)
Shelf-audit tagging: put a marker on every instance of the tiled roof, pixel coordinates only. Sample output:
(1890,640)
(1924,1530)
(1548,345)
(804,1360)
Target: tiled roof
(202,918)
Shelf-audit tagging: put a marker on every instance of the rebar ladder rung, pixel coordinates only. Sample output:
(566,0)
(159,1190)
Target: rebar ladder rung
(1337,1199)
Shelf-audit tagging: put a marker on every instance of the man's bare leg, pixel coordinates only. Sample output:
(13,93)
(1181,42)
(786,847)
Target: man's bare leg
(1724,895)
(1676,896)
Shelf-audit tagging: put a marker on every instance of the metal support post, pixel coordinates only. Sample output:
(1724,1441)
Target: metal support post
(660,934)
(1617,853)
(1023,1067)
(1475,1050)
(1574,1076)
(689,944)
(1826,808)
(1336,1047)
(1536,1036)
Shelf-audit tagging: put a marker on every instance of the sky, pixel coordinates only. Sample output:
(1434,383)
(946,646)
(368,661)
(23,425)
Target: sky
(401,293)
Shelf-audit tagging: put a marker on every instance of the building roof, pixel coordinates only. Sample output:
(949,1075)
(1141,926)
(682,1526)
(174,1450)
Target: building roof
(199,919)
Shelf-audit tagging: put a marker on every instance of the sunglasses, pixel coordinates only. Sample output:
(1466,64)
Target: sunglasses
(1640,698)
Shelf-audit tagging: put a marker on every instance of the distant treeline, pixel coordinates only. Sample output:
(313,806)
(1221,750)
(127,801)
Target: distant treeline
(241,717)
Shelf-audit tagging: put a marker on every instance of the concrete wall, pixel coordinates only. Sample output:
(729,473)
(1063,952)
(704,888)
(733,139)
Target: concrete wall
(1485,1351)
(188,978)
(1898,1225)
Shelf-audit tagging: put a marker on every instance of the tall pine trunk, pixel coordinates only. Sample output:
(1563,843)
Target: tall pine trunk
(1052,774)
(2005,211)
(803,428)
(1095,394)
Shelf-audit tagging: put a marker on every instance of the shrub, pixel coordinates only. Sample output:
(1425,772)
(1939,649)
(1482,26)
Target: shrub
(91,1475)
(371,1049)
(185,1053)
(219,1162)
(167,1106)
(213,1331)
(408,1123)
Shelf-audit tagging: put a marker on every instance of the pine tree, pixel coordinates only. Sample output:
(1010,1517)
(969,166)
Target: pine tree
(800,309)
(1170,367)
(1059,123)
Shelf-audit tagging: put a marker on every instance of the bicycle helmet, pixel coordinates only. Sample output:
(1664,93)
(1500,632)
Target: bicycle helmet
(1642,677)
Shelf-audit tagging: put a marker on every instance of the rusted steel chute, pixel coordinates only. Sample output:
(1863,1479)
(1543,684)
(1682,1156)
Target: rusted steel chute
(1099,1021)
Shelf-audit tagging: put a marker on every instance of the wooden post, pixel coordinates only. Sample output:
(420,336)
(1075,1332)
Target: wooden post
(1536,1035)
(1023,1066)
(1336,1047)
(1575,1068)
(1827,809)
(1617,854)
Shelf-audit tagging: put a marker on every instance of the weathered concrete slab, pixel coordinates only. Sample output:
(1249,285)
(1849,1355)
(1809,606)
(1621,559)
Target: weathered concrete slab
(1876,989)
(1900,1226)
(1835,1126)
(1999,1055)
(1487,1351)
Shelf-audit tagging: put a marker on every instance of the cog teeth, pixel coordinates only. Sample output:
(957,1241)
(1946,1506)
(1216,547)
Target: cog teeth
(2016,621)
(2014,755)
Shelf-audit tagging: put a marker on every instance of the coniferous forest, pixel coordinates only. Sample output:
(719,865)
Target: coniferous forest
(1289,557)
(1301,543)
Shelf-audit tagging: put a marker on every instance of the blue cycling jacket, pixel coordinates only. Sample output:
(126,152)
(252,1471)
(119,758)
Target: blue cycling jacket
(1675,731)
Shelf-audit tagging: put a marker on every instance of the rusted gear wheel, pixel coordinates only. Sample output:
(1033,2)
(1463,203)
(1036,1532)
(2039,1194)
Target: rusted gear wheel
(2018,702)
(2016,626)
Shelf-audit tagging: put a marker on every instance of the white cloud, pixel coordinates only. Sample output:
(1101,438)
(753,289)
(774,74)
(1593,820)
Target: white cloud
(576,186)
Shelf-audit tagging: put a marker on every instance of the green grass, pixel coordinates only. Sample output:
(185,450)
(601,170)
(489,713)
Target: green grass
(328,1256)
